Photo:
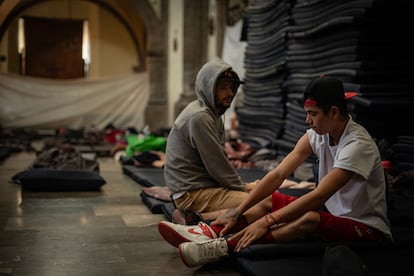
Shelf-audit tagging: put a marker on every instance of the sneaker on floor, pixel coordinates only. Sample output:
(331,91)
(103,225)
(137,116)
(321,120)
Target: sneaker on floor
(175,234)
(199,253)
(185,218)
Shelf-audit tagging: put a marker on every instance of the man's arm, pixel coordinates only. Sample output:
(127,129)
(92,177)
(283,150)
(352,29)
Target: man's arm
(315,199)
(273,179)
(270,182)
(215,160)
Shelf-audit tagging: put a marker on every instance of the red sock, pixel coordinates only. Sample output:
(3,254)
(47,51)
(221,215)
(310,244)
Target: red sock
(241,224)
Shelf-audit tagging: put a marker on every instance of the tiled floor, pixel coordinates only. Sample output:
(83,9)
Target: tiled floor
(107,232)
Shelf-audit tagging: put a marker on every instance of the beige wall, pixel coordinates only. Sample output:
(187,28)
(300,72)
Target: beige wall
(112,48)
(117,52)
(175,56)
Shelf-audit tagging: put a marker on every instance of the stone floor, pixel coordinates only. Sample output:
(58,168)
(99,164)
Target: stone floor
(106,232)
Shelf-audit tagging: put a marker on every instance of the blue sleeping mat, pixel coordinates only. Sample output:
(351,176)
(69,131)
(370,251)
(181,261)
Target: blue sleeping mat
(147,177)
(158,206)
(45,179)
(393,261)
(150,177)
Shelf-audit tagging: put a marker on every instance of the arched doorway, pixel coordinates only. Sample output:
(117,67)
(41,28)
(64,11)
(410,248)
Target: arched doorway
(147,29)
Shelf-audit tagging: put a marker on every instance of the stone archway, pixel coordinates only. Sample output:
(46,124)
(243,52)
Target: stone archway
(156,62)
(152,43)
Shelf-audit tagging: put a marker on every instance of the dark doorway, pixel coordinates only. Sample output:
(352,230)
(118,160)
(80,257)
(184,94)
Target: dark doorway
(53,48)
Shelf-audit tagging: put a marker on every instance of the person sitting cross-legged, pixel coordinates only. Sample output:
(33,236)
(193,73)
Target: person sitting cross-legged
(348,204)
(197,169)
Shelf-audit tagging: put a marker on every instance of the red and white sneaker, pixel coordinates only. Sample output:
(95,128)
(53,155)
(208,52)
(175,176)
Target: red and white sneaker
(200,253)
(175,234)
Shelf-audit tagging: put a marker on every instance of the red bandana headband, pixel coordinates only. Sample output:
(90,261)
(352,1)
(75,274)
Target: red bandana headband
(310,102)
(348,95)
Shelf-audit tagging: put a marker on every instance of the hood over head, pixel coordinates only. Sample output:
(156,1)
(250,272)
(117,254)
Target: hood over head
(207,78)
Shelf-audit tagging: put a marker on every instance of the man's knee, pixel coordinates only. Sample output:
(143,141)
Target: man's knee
(308,222)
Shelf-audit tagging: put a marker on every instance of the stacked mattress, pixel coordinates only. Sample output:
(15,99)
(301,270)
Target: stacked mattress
(262,115)
(361,42)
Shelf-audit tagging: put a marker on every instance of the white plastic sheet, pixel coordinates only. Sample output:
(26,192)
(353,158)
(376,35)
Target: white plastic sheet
(233,53)
(27,102)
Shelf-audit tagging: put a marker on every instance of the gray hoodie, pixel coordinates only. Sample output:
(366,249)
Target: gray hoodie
(195,155)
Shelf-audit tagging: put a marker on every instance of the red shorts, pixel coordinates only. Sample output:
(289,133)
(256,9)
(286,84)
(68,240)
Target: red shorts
(333,228)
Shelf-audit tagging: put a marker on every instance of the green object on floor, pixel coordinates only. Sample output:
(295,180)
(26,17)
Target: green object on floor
(140,143)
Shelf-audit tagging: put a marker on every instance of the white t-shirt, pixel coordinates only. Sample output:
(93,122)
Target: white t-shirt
(363,198)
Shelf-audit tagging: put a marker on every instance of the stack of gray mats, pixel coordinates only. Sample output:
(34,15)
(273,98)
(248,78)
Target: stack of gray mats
(402,156)
(361,42)
(364,44)
(262,115)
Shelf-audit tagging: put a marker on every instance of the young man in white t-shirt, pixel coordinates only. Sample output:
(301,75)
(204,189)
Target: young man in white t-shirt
(348,204)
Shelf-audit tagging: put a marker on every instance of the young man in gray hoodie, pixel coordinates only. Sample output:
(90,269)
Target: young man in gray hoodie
(197,169)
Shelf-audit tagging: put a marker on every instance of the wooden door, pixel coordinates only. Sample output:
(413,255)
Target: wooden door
(53,48)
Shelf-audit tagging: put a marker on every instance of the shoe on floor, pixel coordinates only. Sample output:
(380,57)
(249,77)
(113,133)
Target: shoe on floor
(199,253)
(175,234)
(185,218)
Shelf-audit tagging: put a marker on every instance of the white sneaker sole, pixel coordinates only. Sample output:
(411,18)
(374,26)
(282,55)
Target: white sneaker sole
(170,235)
(183,258)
